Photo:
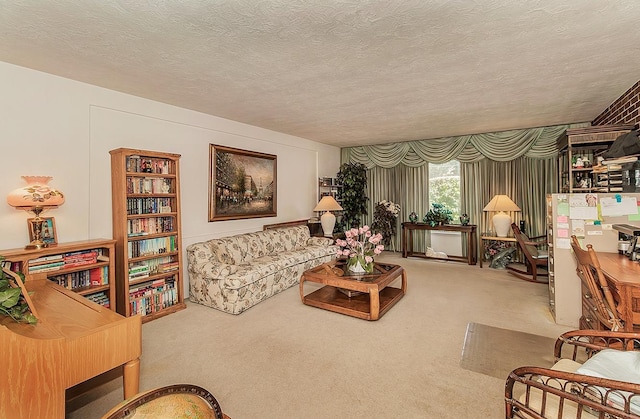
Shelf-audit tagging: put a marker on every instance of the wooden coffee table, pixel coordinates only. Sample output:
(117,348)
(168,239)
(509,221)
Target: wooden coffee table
(367,296)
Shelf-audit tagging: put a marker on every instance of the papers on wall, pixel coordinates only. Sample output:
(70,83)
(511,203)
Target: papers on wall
(578,228)
(617,206)
(581,207)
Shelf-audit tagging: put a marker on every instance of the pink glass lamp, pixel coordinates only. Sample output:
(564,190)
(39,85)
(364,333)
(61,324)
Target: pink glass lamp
(36,197)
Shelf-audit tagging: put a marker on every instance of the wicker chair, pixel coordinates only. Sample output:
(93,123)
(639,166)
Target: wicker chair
(536,259)
(562,392)
(175,401)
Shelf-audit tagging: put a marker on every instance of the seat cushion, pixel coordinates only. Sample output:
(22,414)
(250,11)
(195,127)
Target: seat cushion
(615,365)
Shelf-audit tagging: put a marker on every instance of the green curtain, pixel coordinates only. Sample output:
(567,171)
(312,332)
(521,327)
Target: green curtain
(537,143)
(526,181)
(407,186)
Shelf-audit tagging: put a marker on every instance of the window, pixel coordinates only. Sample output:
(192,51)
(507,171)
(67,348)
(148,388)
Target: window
(444,186)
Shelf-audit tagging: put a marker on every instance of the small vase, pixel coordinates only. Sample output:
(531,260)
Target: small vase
(356,266)
(464,219)
(413,217)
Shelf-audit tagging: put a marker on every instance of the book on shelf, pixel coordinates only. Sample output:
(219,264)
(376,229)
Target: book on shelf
(44,259)
(47,267)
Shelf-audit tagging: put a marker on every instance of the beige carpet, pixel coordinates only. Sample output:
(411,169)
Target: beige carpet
(282,359)
(496,352)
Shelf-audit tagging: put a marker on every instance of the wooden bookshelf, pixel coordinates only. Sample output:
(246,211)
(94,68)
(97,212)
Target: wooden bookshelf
(85,267)
(146,226)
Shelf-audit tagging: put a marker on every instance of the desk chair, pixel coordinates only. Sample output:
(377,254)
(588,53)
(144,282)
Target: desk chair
(588,269)
(536,259)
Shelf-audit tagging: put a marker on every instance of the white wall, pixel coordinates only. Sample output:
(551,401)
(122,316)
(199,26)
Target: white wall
(65,129)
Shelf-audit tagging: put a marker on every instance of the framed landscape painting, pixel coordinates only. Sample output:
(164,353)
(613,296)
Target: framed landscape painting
(242,184)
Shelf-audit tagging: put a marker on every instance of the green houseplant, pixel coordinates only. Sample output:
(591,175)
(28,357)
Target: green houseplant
(353,178)
(385,217)
(12,303)
(438,214)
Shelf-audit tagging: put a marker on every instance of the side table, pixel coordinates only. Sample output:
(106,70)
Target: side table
(486,240)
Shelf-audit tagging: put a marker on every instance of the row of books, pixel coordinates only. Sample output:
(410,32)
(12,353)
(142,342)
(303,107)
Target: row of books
(100,298)
(150,247)
(64,261)
(138,271)
(150,267)
(142,226)
(136,206)
(90,277)
(139,164)
(152,297)
(148,185)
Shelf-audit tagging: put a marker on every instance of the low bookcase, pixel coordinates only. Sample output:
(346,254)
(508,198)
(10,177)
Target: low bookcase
(85,267)
(146,225)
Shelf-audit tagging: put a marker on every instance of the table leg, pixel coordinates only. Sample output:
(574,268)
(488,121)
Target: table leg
(404,242)
(404,282)
(374,304)
(131,378)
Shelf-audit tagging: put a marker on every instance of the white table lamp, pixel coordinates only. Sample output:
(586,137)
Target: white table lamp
(501,220)
(328,220)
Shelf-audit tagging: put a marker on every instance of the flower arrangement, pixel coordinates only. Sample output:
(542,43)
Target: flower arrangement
(359,247)
(385,220)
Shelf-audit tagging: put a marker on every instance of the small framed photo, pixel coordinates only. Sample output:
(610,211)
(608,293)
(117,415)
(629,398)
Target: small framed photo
(49,234)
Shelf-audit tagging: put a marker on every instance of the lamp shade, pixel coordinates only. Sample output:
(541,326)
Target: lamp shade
(36,193)
(501,220)
(328,203)
(501,203)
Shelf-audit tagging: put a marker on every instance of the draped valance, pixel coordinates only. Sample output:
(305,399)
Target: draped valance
(536,143)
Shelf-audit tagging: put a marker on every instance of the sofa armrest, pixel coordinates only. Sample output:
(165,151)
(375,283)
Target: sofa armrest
(320,241)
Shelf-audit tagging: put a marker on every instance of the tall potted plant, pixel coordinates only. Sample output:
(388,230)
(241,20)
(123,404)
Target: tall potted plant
(353,178)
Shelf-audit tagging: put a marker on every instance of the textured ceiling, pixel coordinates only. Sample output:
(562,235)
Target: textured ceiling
(343,72)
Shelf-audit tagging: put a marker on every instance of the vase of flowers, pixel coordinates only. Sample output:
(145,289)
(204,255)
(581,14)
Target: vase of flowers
(385,220)
(359,248)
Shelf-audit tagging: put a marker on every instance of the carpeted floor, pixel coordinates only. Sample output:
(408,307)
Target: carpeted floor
(495,351)
(283,359)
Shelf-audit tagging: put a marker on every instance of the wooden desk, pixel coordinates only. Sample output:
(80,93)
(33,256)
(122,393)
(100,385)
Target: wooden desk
(469,230)
(74,340)
(623,276)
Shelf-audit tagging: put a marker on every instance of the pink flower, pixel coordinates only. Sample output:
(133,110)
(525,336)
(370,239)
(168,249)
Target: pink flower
(367,233)
(368,259)
(347,234)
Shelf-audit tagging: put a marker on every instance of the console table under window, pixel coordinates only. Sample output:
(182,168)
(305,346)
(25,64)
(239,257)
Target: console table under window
(470,231)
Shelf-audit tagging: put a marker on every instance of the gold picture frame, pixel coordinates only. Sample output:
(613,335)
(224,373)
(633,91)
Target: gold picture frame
(49,233)
(242,184)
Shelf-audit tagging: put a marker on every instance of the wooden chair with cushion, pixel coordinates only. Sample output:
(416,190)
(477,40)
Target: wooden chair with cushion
(175,401)
(590,273)
(596,375)
(535,258)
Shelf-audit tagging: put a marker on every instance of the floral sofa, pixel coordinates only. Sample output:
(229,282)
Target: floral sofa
(235,273)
